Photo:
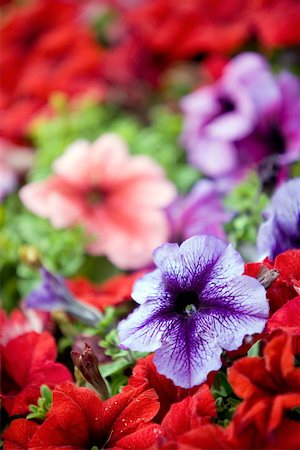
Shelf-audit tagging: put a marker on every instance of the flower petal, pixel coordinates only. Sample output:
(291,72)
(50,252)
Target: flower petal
(187,353)
(148,287)
(143,329)
(231,312)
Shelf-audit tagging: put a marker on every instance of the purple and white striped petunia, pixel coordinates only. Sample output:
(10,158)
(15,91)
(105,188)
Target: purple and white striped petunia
(281,230)
(194,305)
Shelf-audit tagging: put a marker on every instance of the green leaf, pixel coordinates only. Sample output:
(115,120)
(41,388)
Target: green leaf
(221,387)
(44,403)
(114,367)
(247,202)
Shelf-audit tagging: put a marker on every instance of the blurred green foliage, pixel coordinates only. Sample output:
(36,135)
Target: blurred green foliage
(247,201)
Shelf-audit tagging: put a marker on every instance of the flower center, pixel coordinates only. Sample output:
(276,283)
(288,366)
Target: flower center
(187,303)
(226,104)
(275,139)
(94,197)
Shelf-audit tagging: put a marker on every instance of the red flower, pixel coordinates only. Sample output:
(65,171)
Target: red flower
(190,413)
(78,419)
(145,374)
(272,31)
(284,288)
(19,434)
(188,421)
(245,435)
(270,386)
(52,52)
(180,30)
(27,363)
(114,291)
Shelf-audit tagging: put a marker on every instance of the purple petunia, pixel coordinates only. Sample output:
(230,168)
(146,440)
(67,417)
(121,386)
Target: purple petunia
(249,116)
(281,230)
(52,294)
(196,303)
(199,212)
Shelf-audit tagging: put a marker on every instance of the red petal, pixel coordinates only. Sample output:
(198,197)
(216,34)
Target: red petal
(145,374)
(207,436)
(189,413)
(288,265)
(73,420)
(279,356)
(247,376)
(140,410)
(23,353)
(143,438)
(286,318)
(18,434)
(28,363)
(50,374)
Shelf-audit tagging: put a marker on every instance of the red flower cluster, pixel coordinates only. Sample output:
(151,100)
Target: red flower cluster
(27,363)
(180,30)
(149,410)
(270,387)
(45,49)
(54,50)
(78,419)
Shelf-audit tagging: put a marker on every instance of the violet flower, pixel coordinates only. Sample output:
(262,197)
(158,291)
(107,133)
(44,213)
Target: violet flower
(53,294)
(281,230)
(249,116)
(196,303)
(199,212)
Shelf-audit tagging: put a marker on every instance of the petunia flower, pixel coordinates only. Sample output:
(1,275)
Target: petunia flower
(229,126)
(281,230)
(196,303)
(269,386)
(53,294)
(27,363)
(113,291)
(199,212)
(117,198)
(78,419)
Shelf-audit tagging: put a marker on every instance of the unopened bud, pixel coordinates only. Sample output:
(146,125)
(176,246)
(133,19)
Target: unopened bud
(87,363)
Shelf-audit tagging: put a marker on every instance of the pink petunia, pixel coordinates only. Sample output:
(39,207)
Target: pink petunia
(117,198)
